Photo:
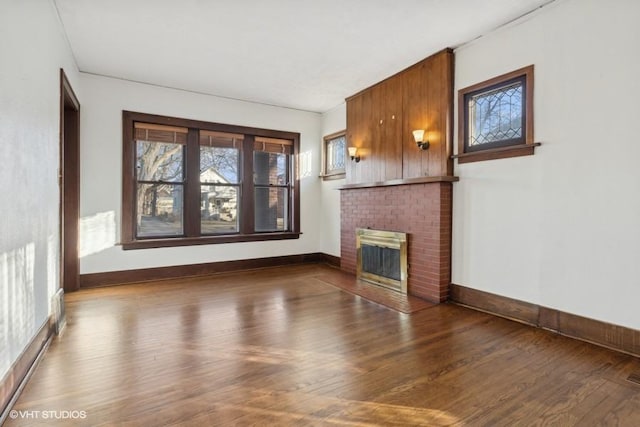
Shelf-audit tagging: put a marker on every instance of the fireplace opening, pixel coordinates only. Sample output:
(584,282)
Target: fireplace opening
(382,258)
(381,261)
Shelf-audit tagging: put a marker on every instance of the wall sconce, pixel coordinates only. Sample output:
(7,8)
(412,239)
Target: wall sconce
(353,153)
(418,135)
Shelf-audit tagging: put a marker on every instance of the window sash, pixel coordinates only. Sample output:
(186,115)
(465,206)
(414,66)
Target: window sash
(275,215)
(472,111)
(219,213)
(164,220)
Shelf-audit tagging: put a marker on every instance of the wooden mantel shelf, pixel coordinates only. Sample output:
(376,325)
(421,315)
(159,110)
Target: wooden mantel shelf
(406,181)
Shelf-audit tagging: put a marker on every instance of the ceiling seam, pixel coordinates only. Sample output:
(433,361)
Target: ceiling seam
(505,24)
(197,92)
(64,33)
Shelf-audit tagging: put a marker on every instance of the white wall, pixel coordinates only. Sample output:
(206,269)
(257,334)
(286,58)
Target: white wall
(101,172)
(333,121)
(560,228)
(33,49)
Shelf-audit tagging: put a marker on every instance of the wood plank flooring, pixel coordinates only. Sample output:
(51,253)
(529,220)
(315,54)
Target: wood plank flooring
(279,347)
(395,300)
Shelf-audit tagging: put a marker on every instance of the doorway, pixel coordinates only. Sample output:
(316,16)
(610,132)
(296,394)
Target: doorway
(69,183)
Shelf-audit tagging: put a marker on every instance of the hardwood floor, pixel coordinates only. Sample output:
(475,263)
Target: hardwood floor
(403,303)
(280,347)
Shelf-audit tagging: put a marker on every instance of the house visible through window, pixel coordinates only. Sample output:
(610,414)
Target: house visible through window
(335,153)
(219,181)
(188,182)
(496,117)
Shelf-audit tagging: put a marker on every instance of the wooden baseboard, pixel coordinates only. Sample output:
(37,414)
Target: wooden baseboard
(18,374)
(615,337)
(332,260)
(110,278)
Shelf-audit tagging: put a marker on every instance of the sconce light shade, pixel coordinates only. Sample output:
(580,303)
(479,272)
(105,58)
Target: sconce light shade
(353,153)
(418,136)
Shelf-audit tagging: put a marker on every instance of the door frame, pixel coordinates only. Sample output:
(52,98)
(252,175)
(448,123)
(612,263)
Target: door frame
(69,186)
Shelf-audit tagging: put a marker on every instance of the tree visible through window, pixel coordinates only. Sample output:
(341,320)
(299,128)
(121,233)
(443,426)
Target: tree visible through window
(160,179)
(496,117)
(189,182)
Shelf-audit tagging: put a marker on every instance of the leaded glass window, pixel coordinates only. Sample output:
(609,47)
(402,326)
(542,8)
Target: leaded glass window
(335,153)
(496,118)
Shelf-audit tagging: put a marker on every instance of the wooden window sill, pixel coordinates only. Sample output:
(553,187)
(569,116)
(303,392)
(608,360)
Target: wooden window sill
(333,176)
(496,153)
(207,240)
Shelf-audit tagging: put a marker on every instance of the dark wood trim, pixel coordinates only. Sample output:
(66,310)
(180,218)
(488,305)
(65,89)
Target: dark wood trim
(615,337)
(192,224)
(465,156)
(122,277)
(332,260)
(219,127)
(605,334)
(207,240)
(129,208)
(191,218)
(69,185)
(450,117)
(18,374)
(497,153)
(334,135)
(325,140)
(295,177)
(333,176)
(512,309)
(404,181)
(247,192)
(447,50)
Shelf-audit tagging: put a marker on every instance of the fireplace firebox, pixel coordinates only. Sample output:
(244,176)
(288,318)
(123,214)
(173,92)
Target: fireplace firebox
(382,258)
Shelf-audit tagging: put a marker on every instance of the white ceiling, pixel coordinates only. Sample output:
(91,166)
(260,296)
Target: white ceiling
(301,54)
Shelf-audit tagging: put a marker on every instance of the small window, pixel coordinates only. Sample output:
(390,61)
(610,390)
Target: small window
(496,118)
(335,153)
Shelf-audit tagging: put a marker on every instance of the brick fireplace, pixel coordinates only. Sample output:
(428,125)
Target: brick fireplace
(423,211)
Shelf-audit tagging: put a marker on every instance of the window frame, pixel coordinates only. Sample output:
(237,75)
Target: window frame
(521,146)
(191,216)
(340,173)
